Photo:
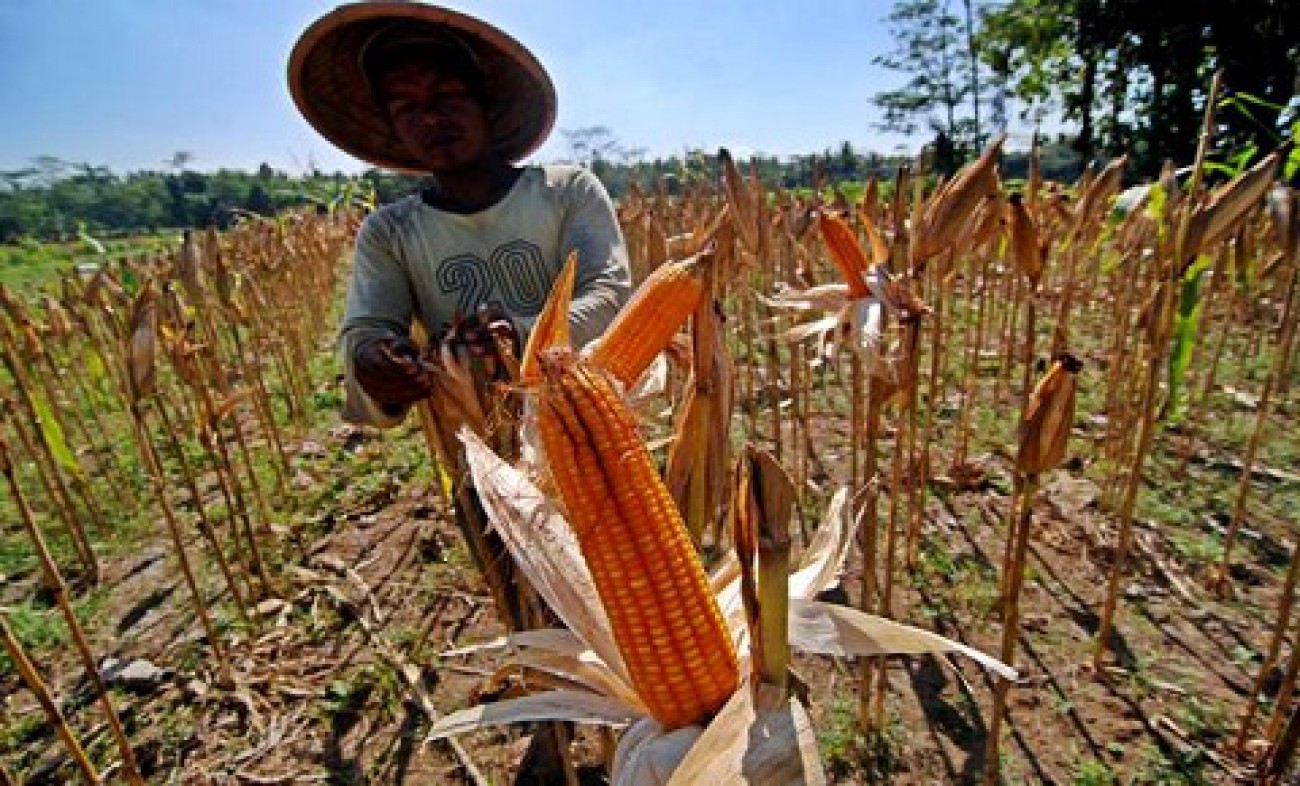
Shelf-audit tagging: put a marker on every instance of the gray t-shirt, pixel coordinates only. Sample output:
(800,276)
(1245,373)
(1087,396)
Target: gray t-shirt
(414,261)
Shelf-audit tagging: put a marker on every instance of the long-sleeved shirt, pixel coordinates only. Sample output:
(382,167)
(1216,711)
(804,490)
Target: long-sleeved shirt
(414,261)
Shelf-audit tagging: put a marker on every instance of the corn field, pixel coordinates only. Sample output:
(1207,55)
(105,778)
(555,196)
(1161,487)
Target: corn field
(1044,426)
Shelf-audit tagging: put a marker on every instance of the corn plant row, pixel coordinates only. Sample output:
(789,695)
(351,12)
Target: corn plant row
(895,307)
(162,388)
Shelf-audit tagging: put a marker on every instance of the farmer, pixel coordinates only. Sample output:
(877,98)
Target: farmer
(422,89)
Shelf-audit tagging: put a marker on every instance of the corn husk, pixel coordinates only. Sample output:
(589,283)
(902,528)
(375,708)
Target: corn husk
(525,518)
(946,215)
(553,323)
(1045,429)
(744,208)
(846,253)
(1228,206)
(1027,253)
(556,705)
(142,347)
(1098,193)
(743,743)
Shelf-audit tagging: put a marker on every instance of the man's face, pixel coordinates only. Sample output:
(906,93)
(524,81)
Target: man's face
(436,115)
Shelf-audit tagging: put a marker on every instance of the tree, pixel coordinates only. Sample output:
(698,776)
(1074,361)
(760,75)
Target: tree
(179,160)
(590,144)
(1134,73)
(935,50)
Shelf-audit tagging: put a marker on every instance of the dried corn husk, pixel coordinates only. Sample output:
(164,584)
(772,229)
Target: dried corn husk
(744,209)
(1045,429)
(1027,251)
(945,216)
(142,347)
(1215,221)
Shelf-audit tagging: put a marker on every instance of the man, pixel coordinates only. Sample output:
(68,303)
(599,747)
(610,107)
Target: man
(422,89)
(417,88)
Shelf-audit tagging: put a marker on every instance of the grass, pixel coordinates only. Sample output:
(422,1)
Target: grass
(1196,550)
(874,754)
(40,628)
(1091,772)
(1205,720)
(30,266)
(1157,768)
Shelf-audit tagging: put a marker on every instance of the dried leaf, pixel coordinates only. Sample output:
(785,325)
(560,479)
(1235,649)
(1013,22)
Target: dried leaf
(544,547)
(825,297)
(1049,416)
(824,559)
(842,632)
(560,705)
(1229,205)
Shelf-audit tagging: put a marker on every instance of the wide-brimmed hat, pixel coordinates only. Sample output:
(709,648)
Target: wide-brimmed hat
(331,89)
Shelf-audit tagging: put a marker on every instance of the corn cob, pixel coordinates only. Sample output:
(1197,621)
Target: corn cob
(650,319)
(664,619)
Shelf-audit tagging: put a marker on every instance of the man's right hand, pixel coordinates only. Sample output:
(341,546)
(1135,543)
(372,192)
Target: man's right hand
(391,372)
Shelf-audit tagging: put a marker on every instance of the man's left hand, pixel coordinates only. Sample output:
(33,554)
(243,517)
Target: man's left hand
(480,333)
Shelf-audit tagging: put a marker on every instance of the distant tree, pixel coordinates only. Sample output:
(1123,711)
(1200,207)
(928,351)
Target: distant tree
(590,144)
(259,201)
(934,50)
(179,160)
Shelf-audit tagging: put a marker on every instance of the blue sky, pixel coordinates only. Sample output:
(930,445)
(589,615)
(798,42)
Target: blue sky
(126,83)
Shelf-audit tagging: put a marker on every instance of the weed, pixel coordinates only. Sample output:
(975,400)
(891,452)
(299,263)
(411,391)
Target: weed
(1185,768)
(1061,703)
(1245,656)
(372,682)
(874,754)
(1203,719)
(39,629)
(1197,550)
(1091,772)
(937,560)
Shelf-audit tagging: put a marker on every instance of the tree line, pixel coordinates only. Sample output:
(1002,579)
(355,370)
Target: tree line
(55,200)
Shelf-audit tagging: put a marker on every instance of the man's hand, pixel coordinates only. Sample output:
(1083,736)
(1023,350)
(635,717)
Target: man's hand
(391,372)
(480,333)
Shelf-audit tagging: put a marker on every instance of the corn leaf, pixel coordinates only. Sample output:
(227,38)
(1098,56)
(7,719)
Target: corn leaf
(1185,324)
(560,705)
(52,433)
(841,632)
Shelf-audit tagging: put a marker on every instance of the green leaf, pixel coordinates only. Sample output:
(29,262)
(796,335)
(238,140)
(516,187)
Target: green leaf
(52,433)
(1189,316)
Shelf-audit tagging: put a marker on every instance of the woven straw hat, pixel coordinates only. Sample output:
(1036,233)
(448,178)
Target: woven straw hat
(331,90)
